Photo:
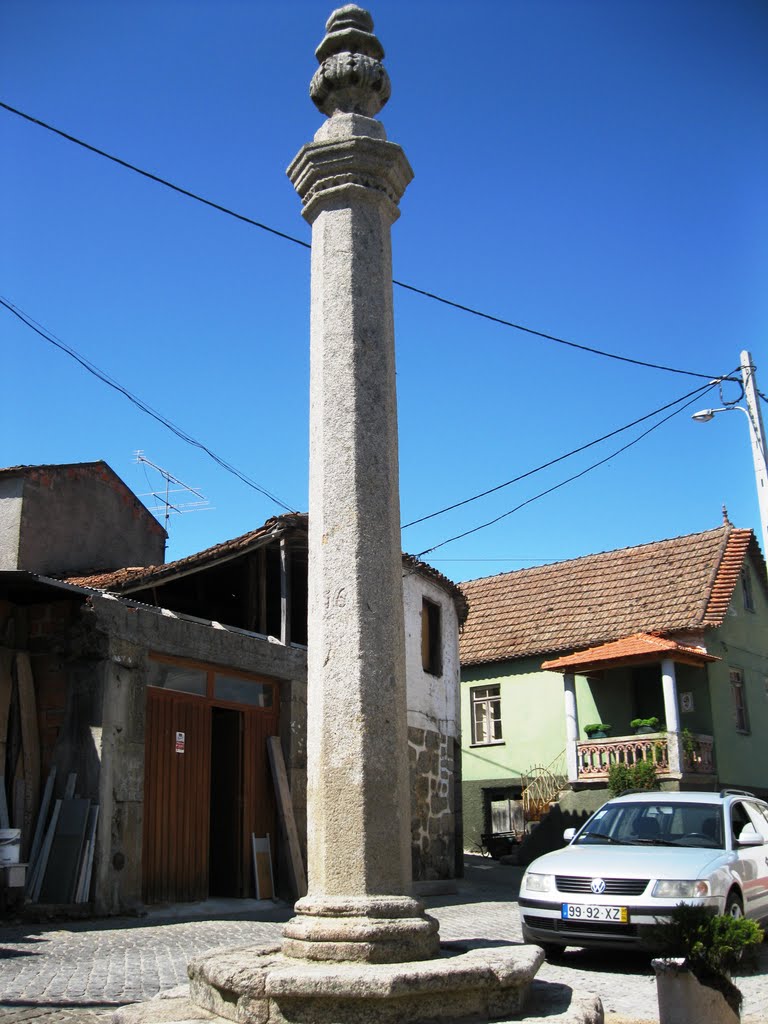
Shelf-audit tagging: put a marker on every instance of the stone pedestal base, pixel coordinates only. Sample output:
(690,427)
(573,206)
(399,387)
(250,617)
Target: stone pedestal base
(256,985)
(369,929)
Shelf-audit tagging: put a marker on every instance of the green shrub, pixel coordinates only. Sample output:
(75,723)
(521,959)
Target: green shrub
(644,775)
(597,727)
(622,777)
(619,779)
(711,945)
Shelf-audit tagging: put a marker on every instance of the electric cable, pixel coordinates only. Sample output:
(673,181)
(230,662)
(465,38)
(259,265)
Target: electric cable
(560,458)
(570,479)
(139,403)
(400,284)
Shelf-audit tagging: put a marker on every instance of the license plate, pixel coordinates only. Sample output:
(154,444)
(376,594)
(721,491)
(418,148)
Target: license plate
(594,912)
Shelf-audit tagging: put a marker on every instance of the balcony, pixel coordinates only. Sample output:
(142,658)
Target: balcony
(673,758)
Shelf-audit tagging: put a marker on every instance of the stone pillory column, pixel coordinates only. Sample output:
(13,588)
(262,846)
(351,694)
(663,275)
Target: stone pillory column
(350,180)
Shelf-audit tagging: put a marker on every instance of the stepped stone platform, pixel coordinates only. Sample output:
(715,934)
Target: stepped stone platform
(259,985)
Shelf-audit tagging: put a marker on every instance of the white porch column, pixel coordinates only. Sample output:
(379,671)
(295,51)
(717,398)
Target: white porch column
(671,715)
(571,726)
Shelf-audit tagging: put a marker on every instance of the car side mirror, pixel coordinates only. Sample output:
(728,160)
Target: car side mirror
(749,837)
(569,834)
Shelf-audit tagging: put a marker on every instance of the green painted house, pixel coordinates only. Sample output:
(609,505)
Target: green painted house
(676,630)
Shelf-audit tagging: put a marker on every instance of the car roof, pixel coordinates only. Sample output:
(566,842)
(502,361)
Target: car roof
(680,796)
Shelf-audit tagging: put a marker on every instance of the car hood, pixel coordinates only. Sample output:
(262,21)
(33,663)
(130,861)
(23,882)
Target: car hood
(629,861)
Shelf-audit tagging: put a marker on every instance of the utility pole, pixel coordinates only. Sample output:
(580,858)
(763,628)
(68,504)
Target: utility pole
(757,437)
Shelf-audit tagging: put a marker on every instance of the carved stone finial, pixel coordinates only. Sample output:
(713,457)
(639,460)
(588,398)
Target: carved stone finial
(351,78)
(726,520)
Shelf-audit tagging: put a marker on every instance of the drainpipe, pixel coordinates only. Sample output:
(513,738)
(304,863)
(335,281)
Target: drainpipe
(571,726)
(672,716)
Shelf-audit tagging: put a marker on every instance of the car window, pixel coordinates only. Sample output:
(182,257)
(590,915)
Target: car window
(656,824)
(740,820)
(758,814)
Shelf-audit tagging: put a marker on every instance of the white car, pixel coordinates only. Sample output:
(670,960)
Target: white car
(638,857)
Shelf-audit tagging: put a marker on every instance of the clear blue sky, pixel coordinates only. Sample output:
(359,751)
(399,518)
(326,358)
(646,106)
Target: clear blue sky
(595,170)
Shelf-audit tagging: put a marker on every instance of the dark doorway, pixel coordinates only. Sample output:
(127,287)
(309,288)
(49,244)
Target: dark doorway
(648,692)
(226,811)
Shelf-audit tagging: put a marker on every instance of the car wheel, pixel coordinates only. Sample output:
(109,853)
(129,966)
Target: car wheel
(733,905)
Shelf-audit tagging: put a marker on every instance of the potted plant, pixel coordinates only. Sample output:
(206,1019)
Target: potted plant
(644,725)
(693,981)
(598,730)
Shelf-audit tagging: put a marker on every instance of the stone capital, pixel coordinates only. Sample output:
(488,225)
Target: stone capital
(326,171)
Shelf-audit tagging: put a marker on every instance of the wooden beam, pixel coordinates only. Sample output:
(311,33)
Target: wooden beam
(30,745)
(285,593)
(285,810)
(262,623)
(6,685)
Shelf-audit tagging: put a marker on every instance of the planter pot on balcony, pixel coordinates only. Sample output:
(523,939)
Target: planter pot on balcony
(598,735)
(683,999)
(643,730)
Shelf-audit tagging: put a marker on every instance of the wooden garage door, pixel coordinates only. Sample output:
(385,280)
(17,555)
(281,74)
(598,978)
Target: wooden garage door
(176,802)
(207,781)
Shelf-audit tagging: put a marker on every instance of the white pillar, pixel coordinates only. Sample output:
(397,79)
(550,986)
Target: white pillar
(571,726)
(671,715)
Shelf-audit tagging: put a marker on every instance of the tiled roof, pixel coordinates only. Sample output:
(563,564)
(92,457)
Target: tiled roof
(637,647)
(685,583)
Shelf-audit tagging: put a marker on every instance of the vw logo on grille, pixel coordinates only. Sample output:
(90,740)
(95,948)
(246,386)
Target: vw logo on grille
(597,885)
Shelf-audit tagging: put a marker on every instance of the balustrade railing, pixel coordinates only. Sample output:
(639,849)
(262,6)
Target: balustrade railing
(596,757)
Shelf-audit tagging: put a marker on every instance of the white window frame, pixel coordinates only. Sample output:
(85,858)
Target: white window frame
(485,711)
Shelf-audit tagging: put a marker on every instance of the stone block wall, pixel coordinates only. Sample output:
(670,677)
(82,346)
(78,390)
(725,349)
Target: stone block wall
(433,820)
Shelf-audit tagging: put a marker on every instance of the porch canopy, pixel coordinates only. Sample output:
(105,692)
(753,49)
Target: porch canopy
(637,649)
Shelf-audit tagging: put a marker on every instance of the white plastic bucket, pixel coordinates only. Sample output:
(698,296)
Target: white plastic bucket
(10,843)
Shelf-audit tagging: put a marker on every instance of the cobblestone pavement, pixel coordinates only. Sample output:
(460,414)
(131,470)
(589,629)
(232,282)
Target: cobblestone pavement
(79,972)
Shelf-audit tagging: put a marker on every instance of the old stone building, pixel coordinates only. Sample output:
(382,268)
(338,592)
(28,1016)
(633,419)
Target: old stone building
(159,684)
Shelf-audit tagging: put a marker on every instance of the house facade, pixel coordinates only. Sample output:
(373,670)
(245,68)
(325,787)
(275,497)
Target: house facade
(675,630)
(159,685)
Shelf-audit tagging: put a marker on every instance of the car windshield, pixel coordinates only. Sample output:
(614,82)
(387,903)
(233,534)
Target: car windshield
(655,824)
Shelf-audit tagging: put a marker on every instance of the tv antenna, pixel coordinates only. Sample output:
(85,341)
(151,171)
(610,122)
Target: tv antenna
(163,500)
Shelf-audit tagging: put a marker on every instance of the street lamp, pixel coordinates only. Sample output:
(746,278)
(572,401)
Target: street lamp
(756,434)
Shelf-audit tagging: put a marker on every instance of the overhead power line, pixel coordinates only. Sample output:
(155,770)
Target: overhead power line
(139,403)
(298,241)
(575,476)
(561,458)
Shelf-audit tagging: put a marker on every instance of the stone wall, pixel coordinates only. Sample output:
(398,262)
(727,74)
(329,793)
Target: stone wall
(433,819)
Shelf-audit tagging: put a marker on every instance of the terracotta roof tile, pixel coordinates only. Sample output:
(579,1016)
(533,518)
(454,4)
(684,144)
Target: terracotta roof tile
(684,583)
(629,648)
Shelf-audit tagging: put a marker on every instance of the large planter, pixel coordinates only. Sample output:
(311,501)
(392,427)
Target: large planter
(684,1000)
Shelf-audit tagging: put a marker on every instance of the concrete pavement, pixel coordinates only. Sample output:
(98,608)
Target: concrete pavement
(79,972)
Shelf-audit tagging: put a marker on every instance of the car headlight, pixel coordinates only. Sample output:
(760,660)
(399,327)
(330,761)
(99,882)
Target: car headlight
(680,889)
(539,883)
